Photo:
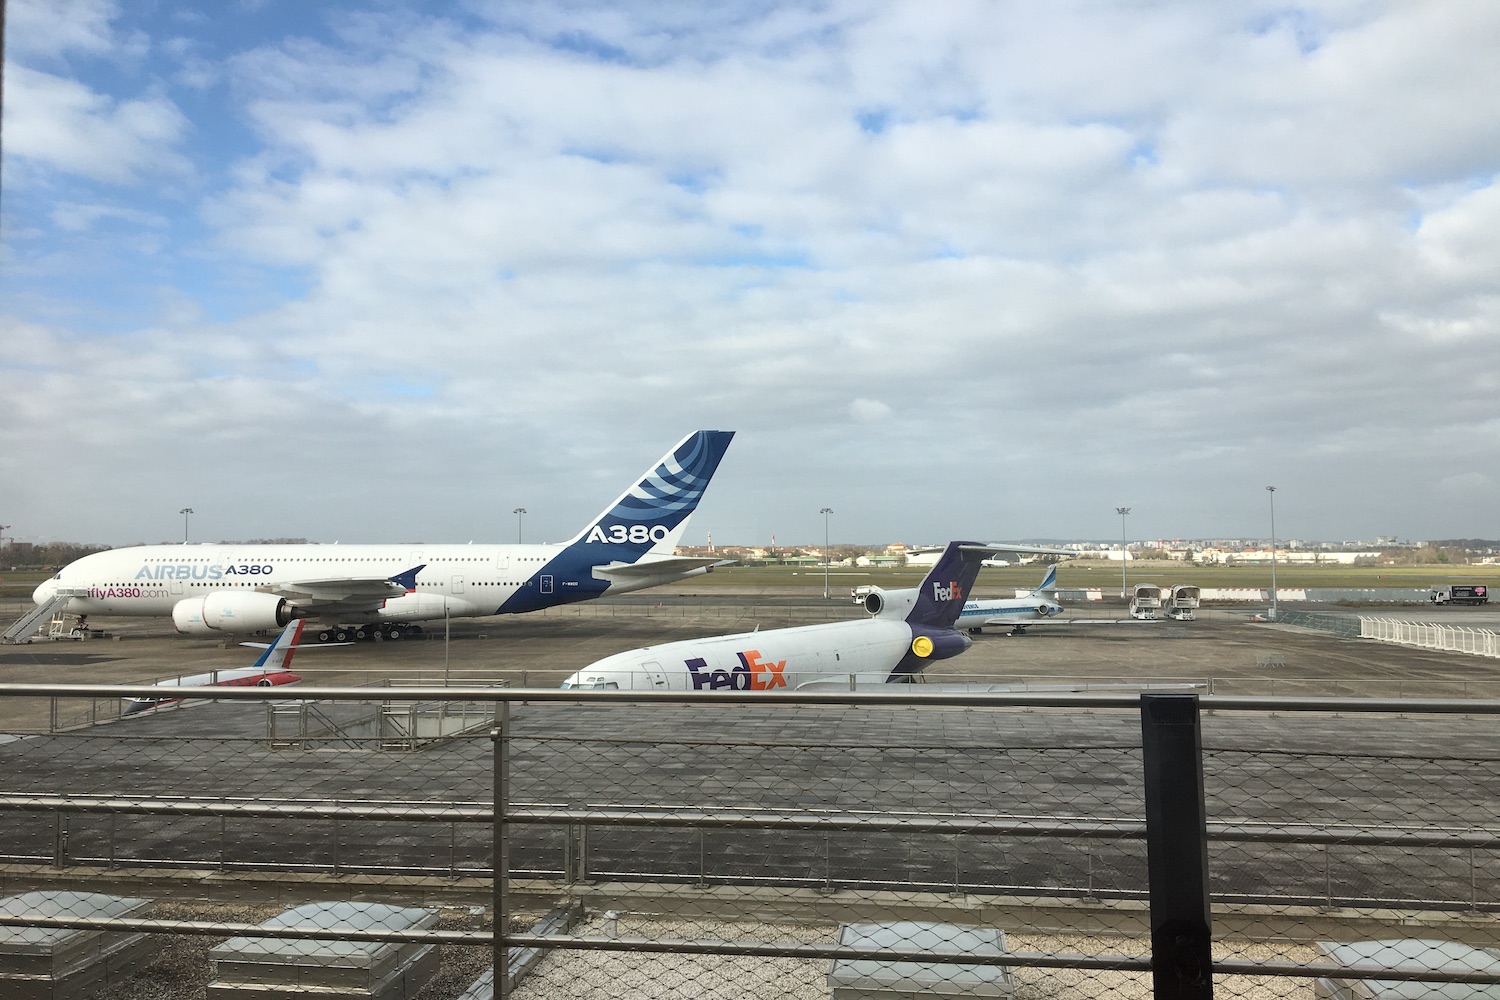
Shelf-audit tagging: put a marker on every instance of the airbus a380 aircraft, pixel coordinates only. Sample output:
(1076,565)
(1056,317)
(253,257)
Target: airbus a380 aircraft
(907,630)
(213,589)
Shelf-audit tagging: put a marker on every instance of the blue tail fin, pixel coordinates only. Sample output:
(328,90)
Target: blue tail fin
(1049,582)
(943,591)
(653,513)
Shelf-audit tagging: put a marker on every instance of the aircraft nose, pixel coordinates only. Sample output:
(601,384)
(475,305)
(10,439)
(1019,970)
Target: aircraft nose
(43,593)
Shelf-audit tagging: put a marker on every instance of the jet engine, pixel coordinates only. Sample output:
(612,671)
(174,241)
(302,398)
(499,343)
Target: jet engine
(227,611)
(890,603)
(939,645)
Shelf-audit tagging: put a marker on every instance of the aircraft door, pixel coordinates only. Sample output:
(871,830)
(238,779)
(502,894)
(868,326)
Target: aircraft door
(546,583)
(176,588)
(458,585)
(655,674)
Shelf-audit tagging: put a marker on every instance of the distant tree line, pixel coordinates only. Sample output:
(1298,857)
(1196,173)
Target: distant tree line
(29,555)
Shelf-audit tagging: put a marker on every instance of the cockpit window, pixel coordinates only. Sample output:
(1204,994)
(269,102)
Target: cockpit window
(593,684)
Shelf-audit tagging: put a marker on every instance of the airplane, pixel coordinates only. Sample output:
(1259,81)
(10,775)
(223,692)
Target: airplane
(1017,612)
(906,630)
(1036,607)
(385,590)
(271,670)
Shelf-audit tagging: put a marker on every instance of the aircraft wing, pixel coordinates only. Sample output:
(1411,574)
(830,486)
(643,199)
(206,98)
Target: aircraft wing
(1031,550)
(340,594)
(647,567)
(1022,627)
(1088,621)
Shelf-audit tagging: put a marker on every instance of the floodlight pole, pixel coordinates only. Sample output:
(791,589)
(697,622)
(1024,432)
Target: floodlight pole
(1272,490)
(185,512)
(1122,511)
(825,512)
(519,512)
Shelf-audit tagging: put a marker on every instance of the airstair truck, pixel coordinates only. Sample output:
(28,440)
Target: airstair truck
(1146,602)
(1182,602)
(1459,593)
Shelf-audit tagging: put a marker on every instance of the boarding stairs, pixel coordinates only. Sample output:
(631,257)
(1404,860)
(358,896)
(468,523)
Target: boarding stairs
(25,629)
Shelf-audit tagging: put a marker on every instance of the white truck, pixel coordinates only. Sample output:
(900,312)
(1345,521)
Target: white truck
(1459,593)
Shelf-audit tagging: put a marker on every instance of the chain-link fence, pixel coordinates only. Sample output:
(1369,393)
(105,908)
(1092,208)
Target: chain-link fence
(980,845)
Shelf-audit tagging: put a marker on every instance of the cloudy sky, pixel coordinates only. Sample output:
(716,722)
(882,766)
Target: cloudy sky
(384,271)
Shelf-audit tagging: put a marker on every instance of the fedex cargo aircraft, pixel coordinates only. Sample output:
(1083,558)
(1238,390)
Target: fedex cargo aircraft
(361,591)
(906,630)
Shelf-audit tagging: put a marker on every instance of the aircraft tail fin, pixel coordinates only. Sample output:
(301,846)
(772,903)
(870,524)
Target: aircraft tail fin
(652,515)
(943,591)
(278,655)
(1049,583)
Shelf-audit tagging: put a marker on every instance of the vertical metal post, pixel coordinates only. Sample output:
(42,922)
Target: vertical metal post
(1176,848)
(500,954)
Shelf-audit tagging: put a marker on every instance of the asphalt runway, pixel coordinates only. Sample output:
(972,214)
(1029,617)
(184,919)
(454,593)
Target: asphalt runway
(1355,772)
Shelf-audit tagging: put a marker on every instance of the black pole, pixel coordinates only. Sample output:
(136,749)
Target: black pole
(1176,848)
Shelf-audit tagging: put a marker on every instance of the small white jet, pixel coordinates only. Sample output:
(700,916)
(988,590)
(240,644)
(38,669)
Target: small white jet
(1036,607)
(271,670)
(361,591)
(1017,612)
(906,630)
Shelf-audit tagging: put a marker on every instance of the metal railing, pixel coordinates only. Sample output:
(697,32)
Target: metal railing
(1429,635)
(613,831)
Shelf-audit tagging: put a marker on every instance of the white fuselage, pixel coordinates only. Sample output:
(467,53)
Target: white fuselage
(1006,611)
(456,580)
(772,660)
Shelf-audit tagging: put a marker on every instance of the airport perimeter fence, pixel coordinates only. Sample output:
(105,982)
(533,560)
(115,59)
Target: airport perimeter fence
(1427,635)
(1062,845)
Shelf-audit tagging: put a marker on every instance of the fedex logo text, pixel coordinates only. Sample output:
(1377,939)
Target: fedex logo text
(947,592)
(752,674)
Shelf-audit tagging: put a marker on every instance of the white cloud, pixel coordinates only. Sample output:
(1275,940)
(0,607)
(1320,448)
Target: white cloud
(65,125)
(55,27)
(1163,250)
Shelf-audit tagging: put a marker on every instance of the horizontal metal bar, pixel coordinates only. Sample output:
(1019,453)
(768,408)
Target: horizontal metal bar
(732,819)
(1017,826)
(900,694)
(770,949)
(1362,836)
(151,926)
(1326,970)
(789,949)
(118,805)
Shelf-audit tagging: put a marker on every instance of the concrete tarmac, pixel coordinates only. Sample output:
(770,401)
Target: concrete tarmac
(1356,772)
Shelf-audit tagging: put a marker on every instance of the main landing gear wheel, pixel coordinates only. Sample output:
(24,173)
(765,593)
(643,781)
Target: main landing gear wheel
(392,632)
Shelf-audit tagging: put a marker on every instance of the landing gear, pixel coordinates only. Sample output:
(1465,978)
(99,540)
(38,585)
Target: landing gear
(389,631)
